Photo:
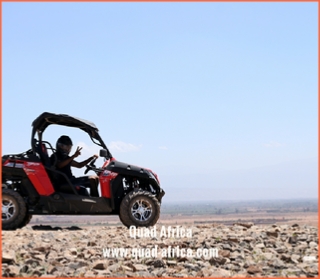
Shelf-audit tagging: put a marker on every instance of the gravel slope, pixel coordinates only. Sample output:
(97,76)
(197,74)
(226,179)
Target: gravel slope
(243,250)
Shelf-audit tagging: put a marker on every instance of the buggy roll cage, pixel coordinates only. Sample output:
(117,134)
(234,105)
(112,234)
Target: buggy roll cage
(45,119)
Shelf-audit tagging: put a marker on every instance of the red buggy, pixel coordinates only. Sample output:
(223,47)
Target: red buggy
(31,185)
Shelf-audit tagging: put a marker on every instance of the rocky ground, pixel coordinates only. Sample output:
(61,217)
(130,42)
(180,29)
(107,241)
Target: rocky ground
(243,250)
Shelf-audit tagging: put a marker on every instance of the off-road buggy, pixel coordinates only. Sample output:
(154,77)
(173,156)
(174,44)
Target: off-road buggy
(31,184)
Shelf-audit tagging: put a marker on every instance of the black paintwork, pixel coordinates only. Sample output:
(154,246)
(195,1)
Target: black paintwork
(63,203)
(47,118)
(127,169)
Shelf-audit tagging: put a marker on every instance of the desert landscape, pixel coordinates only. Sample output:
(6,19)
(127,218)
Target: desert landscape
(208,239)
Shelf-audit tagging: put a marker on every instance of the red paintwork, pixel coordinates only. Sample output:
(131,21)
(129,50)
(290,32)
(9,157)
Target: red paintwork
(108,161)
(105,182)
(36,173)
(39,178)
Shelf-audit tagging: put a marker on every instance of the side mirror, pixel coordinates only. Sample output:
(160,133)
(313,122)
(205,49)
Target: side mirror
(103,153)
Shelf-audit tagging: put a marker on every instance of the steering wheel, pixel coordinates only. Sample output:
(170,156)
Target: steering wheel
(91,166)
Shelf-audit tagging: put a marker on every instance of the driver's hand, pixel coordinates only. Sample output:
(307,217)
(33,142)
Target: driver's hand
(95,156)
(77,153)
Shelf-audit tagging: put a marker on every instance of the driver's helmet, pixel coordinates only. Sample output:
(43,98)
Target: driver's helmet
(64,145)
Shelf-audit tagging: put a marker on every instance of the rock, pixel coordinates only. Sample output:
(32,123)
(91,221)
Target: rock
(309,259)
(114,267)
(37,273)
(295,258)
(51,269)
(280,250)
(92,243)
(13,270)
(24,269)
(206,272)
(227,247)
(158,263)
(41,249)
(182,259)
(294,271)
(8,257)
(248,239)
(278,264)
(302,247)
(233,239)
(171,263)
(268,256)
(52,254)
(191,267)
(218,261)
(260,245)
(32,262)
(224,253)
(40,257)
(302,237)
(246,225)
(220,273)
(313,244)
(286,258)
(272,233)
(139,267)
(240,275)
(234,256)
(253,269)
(312,271)
(73,251)
(89,273)
(99,265)
(293,239)
(126,268)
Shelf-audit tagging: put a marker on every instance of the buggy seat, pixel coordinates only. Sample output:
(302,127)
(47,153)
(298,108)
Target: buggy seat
(56,176)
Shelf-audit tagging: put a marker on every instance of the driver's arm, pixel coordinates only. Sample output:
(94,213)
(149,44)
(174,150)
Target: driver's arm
(83,163)
(61,164)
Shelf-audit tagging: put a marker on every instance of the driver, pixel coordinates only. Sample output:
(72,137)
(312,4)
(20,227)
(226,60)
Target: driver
(65,162)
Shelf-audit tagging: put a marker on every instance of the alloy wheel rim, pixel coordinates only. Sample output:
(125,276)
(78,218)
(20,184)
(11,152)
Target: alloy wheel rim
(8,209)
(141,210)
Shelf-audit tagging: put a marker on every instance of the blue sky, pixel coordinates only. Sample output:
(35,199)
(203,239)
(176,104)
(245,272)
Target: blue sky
(219,99)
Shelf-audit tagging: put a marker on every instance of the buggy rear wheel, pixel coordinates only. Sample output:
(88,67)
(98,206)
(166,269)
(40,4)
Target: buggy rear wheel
(139,208)
(14,210)
(25,221)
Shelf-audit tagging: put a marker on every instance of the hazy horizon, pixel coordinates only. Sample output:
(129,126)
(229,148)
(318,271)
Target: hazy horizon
(244,201)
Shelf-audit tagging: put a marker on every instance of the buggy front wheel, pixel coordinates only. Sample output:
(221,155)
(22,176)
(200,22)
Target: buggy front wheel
(139,208)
